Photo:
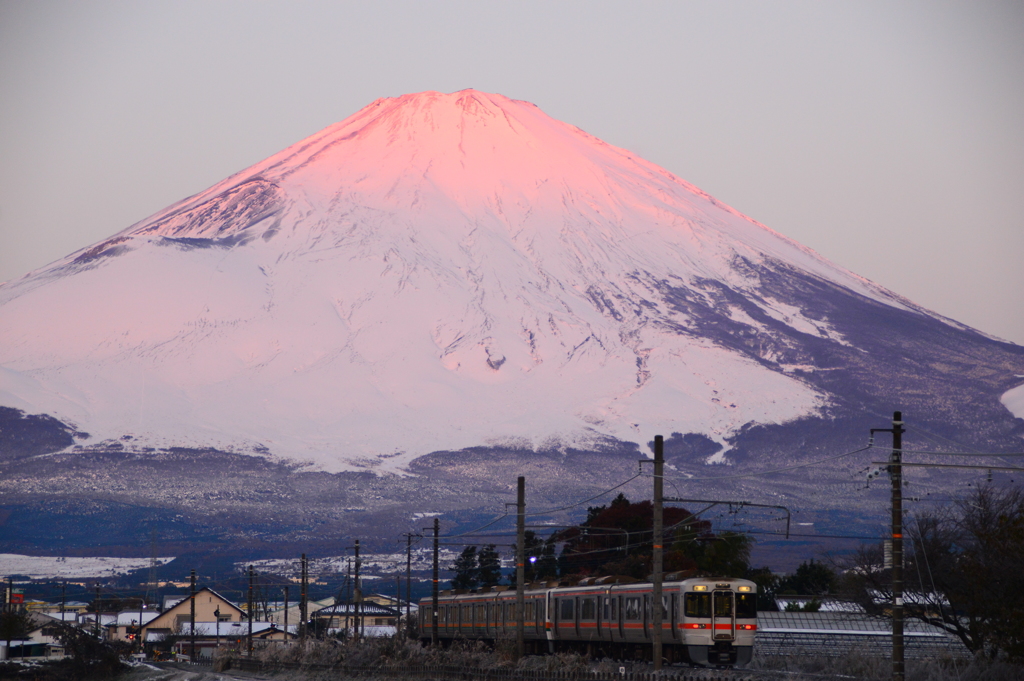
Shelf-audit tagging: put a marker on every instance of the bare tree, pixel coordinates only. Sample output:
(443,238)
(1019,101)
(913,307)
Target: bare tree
(961,574)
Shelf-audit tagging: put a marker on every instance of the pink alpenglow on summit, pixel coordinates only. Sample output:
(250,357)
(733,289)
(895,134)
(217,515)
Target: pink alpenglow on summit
(437,271)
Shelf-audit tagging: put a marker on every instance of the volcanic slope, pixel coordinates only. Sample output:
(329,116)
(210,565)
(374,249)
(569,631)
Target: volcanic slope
(446,271)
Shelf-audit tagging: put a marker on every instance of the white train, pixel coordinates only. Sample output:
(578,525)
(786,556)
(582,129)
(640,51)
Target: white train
(708,622)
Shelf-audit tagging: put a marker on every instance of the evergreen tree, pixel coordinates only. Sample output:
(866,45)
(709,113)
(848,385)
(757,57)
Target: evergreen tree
(810,579)
(466,569)
(489,566)
(533,546)
(15,623)
(547,565)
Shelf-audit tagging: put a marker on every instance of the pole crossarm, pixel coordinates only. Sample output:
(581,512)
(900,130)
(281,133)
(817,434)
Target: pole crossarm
(739,504)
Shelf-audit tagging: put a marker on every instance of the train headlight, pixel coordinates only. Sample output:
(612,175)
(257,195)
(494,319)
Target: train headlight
(743,588)
(700,587)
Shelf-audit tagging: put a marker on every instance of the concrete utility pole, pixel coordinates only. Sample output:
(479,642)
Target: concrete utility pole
(433,593)
(286,615)
(249,609)
(408,575)
(520,565)
(658,553)
(138,633)
(897,547)
(302,599)
(896,475)
(358,592)
(97,627)
(192,616)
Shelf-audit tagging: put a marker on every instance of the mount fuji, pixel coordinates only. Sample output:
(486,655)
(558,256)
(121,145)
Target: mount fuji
(451,278)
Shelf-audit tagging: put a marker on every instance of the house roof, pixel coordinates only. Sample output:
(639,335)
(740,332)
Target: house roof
(235,629)
(207,589)
(131,617)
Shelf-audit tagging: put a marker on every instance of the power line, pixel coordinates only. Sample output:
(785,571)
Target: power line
(778,470)
(580,503)
(922,451)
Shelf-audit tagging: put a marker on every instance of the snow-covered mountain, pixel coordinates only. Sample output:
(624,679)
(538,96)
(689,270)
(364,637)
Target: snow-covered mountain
(444,271)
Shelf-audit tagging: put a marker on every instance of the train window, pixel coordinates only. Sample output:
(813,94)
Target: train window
(664,608)
(698,605)
(529,611)
(723,604)
(607,603)
(746,606)
(631,608)
(588,609)
(480,616)
(565,609)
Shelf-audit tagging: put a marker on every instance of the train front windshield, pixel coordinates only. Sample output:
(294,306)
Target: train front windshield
(699,605)
(746,606)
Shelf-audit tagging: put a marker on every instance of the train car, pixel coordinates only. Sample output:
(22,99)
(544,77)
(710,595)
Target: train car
(706,622)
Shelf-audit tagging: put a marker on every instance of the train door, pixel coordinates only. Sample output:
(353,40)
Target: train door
(674,615)
(723,620)
(617,603)
(576,616)
(646,615)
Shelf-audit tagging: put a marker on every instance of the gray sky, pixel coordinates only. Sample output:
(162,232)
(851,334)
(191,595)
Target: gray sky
(888,136)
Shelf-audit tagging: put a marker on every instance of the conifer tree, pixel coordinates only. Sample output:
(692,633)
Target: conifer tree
(466,569)
(489,566)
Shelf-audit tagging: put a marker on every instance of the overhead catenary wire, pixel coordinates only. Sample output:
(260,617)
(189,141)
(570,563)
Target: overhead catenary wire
(584,501)
(771,471)
(936,453)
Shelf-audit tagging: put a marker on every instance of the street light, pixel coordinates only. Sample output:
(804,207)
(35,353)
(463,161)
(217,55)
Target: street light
(216,613)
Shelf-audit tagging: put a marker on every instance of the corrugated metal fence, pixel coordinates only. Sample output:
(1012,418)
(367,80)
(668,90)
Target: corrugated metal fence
(454,673)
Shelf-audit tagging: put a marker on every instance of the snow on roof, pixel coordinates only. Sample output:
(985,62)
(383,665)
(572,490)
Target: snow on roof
(233,629)
(366,608)
(826,604)
(129,617)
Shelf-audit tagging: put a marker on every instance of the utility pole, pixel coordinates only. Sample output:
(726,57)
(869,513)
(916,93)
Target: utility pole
(249,609)
(192,617)
(138,633)
(658,553)
(896,475)
(302,600)
(350,594)
(286,615)
(97,602)
(358,593)
(408,575)
(520,565)
(63,599)
(433,593)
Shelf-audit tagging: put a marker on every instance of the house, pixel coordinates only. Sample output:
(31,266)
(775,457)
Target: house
(391,602)
(211,635)
(125,626)
(277,615)
(88,620)
(41,642)
(210,607)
